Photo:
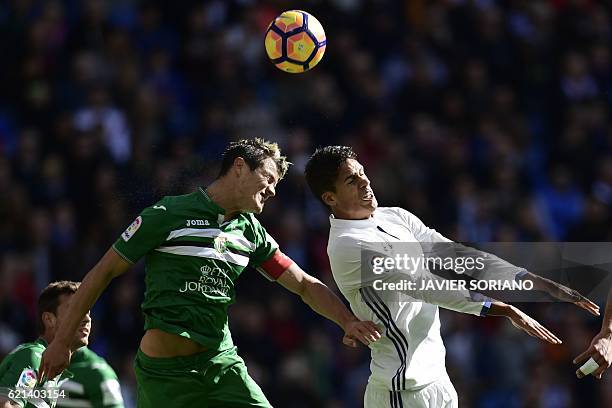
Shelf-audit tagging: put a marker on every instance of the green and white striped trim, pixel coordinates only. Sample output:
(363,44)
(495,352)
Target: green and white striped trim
(235,238)
(210,253)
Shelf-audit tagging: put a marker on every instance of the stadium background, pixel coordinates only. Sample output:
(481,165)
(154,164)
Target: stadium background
(490,120)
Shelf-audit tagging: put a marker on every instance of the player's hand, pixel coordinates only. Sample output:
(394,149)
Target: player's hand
(349,341)
(55,359)
(600,350)
(563,293)
(531,326)
(356,330)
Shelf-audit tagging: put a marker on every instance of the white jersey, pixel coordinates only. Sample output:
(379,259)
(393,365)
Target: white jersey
(410,355)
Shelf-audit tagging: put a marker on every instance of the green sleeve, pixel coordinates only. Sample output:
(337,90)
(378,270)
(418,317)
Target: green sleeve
(19,370)
(145,233)
(265,245)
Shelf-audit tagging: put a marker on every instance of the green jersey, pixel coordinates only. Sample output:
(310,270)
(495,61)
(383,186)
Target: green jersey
(94,384)
(192,260)
(19,380)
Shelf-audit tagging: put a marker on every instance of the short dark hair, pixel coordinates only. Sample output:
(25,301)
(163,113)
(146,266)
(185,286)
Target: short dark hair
(49,298)
(254,152)
(323,167)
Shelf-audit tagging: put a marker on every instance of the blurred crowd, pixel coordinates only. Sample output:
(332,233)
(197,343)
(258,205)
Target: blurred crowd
(490,120)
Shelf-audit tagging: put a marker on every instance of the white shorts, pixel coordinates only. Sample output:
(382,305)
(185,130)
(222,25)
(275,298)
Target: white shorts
(438,394)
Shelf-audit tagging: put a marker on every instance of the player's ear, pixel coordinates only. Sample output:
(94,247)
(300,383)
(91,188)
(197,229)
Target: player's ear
(49,320)
(329,199)
(239,166)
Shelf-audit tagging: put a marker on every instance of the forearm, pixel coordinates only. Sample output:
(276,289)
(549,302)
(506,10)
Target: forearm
(94,283)
(325,302)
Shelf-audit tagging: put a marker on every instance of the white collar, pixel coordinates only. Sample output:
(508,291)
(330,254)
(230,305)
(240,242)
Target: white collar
(343,223)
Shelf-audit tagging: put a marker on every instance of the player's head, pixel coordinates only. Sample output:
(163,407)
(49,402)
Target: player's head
(53,306)
(337,179)
(253,167)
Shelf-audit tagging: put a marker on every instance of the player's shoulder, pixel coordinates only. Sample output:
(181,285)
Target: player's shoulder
(171,203)
(28,353)
(391,211)
(86,354)
(394,214)
(345,233)
(252,227)
(344,243)
(86,357)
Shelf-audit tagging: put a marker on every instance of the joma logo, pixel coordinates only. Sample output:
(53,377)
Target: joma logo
(191,223)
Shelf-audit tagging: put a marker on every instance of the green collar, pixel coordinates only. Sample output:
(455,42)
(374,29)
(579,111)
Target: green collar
(210,202)
(42,342)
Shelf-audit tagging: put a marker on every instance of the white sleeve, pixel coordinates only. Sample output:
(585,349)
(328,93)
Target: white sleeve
(437,245)
(459,300)
(344,255)
(420,231)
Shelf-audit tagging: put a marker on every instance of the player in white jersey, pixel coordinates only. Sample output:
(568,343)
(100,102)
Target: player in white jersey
(407,367)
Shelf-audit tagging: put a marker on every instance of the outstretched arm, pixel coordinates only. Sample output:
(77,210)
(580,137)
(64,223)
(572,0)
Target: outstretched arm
(462,302)
(323,301)
(523,321)
(561,292)
(600,348)
(424,286)
(346,257)
(436,244)
(57,356)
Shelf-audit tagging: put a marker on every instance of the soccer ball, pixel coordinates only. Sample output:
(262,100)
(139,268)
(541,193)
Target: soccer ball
(295,41)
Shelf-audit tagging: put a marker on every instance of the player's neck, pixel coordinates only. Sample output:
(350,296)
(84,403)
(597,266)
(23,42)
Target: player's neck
(221,193)
(46,337)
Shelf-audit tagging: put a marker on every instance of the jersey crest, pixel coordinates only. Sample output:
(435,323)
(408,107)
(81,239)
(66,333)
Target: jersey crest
(220,244)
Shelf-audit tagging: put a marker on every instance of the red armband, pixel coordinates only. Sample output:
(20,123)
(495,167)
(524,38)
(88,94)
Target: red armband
(274,266)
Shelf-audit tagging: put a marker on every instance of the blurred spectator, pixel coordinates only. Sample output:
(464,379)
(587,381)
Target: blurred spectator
(100,113)
(489,120)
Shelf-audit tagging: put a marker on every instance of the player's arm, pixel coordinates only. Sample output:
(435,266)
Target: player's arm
(462,301)
(522,321)
(494,266)
(600,349)
(275,265)
(325,302)
(57,356)
(4,403)
(458,300)
(147,231)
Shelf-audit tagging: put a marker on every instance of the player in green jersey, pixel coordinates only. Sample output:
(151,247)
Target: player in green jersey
(94,383)
(20,382)
(195,247)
